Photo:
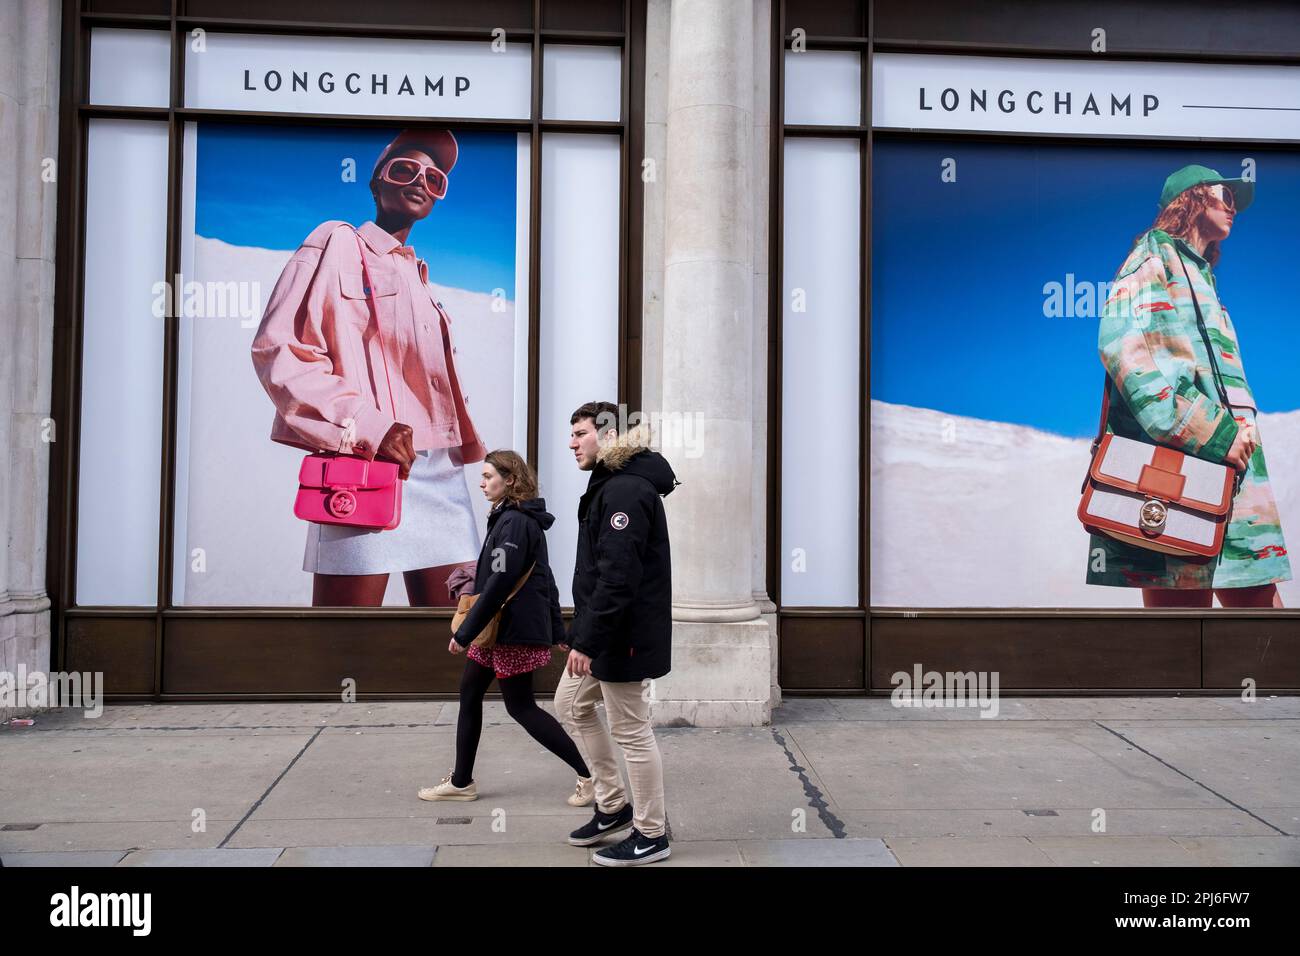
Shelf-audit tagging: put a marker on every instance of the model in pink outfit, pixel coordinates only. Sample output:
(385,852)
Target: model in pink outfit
(318,355)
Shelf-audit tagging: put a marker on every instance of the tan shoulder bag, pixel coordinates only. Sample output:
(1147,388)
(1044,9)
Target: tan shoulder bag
(488,636)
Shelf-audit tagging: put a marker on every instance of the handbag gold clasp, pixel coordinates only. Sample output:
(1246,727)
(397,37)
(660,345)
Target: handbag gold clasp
(1153,516)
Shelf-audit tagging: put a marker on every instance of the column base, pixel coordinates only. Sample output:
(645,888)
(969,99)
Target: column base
(721,676)
(24,639)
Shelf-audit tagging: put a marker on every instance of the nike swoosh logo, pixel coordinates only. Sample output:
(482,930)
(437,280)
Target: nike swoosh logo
(638,850)
(605,826)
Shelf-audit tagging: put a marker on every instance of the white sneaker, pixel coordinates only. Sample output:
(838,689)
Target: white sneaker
(446,790)
(583,793)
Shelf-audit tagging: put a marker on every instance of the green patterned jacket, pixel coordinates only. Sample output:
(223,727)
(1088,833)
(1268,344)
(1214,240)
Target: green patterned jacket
(1163,391)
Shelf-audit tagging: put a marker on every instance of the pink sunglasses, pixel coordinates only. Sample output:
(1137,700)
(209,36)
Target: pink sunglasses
(402,171)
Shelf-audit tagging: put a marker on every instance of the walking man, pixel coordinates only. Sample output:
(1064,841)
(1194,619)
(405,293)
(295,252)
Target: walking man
(621,636)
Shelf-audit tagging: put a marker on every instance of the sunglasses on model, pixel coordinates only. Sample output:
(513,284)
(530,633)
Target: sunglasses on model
(1226,199)
(402,172)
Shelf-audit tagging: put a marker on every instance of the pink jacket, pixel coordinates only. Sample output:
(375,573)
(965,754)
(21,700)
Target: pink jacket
(318,356)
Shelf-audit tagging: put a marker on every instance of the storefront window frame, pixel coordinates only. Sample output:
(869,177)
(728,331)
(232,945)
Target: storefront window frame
(95,627)
(829,651)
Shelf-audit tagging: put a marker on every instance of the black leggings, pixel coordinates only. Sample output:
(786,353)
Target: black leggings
(520,705)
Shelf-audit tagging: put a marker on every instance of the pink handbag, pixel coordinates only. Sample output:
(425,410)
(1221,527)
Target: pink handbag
(349,490)
(334,488)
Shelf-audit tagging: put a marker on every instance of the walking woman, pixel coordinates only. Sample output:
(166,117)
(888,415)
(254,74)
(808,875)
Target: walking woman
(369,370)
(1165,375)
(514,550)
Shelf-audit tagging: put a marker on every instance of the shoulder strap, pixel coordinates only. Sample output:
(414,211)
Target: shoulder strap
(374,309)
(1105,410)
(1205,335)
(1238,476)
(519,584)
(1209,348)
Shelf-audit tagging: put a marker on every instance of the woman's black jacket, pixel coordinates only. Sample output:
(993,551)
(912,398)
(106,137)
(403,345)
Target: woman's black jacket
(516,537)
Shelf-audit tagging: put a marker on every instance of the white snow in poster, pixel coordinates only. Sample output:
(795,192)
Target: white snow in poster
(973,513)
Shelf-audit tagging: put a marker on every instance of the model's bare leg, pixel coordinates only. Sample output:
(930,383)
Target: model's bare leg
(427,587)
(348,590)
(1263,595)
(1177,597)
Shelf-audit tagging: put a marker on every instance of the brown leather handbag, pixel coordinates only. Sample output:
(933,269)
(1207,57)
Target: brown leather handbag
(1154,497)
(488,636)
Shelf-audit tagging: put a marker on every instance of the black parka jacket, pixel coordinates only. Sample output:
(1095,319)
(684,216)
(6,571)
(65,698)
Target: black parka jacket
(622,579)
(516,537)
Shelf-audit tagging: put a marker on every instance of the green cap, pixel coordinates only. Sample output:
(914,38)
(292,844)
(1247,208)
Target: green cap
(1243,192)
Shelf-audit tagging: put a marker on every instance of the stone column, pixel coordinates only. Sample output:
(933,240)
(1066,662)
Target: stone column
(721,646)
(29,116)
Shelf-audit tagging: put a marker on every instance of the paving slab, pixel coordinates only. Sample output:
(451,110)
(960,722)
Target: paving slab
(1251,762)
(259,857)
(387,712)
(884,708)
(1266,708)
(66,779)
(732,784)
(1243,851)
(994,765)
(703,853)
(115,835)
(354,774)
(357,856)
(797,709)
(513,855)
(1102,849)
(818,852)
(457,828)
(89,732)
(1047,821)
(416,730)
(63,858)
(1286,819)
(232,715)
(967,851)
(1132,708)
(494,712)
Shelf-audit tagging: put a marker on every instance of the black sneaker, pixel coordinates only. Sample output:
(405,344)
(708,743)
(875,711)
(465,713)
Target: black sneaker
(601,826)
(633,851)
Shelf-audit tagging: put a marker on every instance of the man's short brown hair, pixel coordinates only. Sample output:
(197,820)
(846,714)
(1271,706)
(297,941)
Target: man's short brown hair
(604,415)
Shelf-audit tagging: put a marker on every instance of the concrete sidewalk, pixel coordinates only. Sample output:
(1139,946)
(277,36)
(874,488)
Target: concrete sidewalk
(1180,781)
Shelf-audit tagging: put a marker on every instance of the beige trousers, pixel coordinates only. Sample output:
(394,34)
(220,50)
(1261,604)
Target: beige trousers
(628,712)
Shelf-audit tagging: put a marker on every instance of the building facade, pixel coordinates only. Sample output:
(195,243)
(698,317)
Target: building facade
(847,258)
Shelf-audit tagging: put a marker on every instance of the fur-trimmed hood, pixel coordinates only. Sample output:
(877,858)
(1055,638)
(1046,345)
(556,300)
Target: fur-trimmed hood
(631,454)
(617,453)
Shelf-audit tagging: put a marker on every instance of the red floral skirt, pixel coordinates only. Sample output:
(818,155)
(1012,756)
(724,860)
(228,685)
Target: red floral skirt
(509,660)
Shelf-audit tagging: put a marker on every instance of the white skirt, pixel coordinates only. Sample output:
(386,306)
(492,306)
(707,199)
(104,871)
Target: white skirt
(437,527)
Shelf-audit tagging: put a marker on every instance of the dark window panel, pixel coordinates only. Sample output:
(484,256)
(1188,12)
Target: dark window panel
(1266,652)
(818,18)
(510,14)
(1043,653)
(1272,26)
(605,15)
(822,652)
(122,649)
(155,7)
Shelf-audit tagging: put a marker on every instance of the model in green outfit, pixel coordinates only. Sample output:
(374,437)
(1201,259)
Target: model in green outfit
(1163,391)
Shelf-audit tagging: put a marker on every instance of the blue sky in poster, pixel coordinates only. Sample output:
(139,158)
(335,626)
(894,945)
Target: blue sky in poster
(958,271)
(269,186)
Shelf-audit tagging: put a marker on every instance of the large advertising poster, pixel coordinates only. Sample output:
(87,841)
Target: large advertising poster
(337,281)
(1012,286)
